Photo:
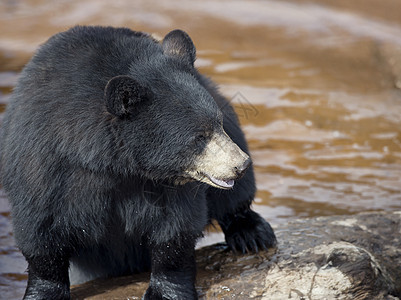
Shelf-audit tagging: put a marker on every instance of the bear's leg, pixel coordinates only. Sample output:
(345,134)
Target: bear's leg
(246,231)
(48,277)
(173,269)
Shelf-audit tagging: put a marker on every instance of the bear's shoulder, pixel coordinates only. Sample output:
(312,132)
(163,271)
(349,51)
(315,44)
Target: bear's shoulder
(96,37)
(105,31)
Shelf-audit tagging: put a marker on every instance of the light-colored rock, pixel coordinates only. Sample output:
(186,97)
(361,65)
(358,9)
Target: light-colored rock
(339,257)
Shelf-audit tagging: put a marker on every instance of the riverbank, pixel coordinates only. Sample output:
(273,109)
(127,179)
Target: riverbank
(336,257)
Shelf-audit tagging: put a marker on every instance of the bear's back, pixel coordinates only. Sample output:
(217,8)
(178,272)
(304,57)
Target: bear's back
(57,109)
(76,64)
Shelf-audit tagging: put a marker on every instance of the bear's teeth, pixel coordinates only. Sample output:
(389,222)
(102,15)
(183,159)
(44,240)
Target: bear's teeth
(222,183)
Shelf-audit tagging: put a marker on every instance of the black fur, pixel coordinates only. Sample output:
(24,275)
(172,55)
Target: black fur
(99,129)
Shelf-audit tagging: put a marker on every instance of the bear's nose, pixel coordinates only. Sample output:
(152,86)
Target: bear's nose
(240,171)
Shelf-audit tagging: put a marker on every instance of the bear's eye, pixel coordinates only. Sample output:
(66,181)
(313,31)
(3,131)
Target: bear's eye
(200,138)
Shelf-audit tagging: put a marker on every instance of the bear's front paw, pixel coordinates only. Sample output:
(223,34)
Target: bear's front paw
(248,232)
(44,289)
(163,291)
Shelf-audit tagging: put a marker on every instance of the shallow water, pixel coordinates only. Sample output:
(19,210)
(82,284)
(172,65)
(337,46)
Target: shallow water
(317,89)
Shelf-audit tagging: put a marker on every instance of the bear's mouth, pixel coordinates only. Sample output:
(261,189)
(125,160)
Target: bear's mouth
(220,183)
(227,183)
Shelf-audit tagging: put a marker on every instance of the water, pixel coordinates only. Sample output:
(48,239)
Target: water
(317,89)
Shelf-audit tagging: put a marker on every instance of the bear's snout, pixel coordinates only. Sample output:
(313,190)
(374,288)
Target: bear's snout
(221,162)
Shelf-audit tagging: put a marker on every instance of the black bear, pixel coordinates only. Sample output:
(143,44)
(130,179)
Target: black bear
(116,153)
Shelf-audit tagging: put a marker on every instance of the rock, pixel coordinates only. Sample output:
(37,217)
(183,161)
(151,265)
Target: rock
(338,257)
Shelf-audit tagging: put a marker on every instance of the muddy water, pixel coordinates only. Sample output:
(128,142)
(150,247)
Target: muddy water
(317,88)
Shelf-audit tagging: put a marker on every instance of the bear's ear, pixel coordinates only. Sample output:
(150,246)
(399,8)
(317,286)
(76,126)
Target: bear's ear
(122,94)
(178,43)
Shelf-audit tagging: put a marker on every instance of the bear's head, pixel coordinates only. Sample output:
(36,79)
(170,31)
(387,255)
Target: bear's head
(169,126)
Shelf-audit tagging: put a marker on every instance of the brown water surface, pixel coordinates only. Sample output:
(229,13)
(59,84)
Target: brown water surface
(316,84)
